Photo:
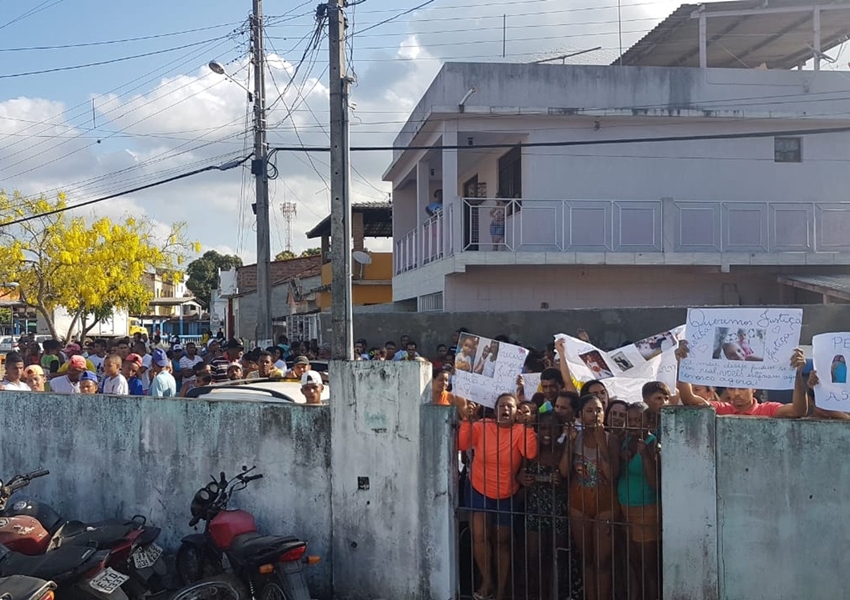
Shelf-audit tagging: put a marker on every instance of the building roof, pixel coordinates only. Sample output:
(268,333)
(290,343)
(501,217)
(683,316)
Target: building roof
(279,271)
(835,286)
(742,34)
(377,221)
(172,301)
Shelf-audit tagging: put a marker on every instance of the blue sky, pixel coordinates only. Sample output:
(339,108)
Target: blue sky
(161,113)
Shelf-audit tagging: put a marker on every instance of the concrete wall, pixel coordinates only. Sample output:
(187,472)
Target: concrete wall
(111,456)
(388,446)
(754,508)
(607,328)
(245,306)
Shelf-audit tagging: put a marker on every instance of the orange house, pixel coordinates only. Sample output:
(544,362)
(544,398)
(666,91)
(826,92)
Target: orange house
(371,271)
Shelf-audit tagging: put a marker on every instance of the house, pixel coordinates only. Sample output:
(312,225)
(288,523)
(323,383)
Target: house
(289,280)
(173,308)
(371,271)
(704,167)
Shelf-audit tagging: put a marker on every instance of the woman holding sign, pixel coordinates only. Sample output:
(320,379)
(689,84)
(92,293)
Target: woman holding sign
(499,446)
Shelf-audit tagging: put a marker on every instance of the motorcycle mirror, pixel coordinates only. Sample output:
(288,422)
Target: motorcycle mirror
(244,468)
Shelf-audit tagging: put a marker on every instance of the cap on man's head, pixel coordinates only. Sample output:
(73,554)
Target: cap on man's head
(160,358)
(78,362)
(73,347)
(177,348)
(311,378)
(302,360)
(88,376)
(33,370)
(135,358)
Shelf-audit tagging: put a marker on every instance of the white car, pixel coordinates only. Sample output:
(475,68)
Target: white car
(256,391)
(8,343)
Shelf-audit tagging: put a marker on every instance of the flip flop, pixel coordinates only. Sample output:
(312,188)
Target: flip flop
(480,596)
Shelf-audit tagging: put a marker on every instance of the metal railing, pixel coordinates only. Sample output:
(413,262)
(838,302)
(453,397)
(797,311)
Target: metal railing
(405,255)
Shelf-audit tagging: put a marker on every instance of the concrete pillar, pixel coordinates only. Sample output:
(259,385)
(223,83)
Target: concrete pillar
(689,503)
(451,200)
(391,474)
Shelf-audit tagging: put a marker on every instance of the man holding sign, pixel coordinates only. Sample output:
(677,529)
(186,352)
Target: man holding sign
(742,401)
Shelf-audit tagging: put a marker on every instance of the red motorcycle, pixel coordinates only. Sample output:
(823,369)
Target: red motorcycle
(34,528)
(270,565)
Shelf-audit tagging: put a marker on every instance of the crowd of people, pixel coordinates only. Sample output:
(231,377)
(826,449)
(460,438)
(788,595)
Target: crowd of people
(562,483)
(142,366)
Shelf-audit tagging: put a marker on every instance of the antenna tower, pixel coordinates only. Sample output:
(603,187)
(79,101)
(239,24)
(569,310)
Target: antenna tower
(289,210)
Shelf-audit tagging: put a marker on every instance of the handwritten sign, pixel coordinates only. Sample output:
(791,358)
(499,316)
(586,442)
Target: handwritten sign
(486,368)
(625,370)
(830,354)
(742,347)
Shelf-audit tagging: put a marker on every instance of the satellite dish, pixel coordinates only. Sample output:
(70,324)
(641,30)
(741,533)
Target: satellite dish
(361,257)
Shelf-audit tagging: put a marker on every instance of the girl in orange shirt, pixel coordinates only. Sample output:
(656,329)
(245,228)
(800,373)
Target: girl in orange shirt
(499,447)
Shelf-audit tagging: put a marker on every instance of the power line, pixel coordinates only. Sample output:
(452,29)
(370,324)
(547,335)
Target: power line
(121,41)
(36,9)
(124,193)
(686,138)
(394,17)
(105,62)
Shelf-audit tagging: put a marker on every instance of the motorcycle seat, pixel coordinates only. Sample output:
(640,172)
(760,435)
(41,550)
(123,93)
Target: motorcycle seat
(52,565)
(77,533)
(255,548)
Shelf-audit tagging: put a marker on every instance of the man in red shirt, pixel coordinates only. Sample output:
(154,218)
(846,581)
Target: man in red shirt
(742,401)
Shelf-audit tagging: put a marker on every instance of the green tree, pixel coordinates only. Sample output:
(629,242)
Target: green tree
(88,268)
(203,273)
(312,252)
(285,255)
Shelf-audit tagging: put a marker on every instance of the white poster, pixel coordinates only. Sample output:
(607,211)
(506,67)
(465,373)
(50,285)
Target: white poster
(625,370)
(830,353)
(485,368)
(742,347)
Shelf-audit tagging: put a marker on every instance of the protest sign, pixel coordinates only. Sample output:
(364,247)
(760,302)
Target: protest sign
(625,370)
(486,368)
(830,352)
(742,347)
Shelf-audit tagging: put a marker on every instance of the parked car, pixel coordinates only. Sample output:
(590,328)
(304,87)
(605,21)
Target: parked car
(254,390)
(8,343)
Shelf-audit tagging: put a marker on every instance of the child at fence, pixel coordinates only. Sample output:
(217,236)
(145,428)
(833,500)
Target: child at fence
(499,445)
(548,552)
(592,464)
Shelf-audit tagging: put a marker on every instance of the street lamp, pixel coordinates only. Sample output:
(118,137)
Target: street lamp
(218,68)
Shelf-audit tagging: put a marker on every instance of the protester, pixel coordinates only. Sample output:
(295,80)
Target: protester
(70,382)
(14,372)
(163,384)
(88,382)
(312,387)
(299,367)
(34,377)
(114,383)
(265,368)
(220,364)
(130,369)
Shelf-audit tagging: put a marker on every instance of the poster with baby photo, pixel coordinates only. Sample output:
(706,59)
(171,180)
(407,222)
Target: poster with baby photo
(625,370)
(742,347)
(830,353)
(485,368)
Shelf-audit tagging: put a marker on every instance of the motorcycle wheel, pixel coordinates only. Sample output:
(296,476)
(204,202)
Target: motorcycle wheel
(193,564)
(220,587)
(273,591)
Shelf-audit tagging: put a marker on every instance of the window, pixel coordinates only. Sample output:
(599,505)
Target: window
(787,149)
(510,173)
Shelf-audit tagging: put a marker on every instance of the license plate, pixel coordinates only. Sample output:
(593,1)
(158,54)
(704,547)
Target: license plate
(146,556)
(108,581)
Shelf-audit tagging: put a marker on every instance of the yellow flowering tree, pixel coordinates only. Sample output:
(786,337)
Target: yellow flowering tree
(88,268)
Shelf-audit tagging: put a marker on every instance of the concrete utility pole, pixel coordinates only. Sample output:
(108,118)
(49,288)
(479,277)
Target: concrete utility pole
(259,168)
(342,345)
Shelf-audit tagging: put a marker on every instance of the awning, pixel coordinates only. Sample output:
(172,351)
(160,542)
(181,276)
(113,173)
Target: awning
(832,286)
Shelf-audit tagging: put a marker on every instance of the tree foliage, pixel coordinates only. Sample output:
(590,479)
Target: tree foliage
(289,254)
(203,273)
(88,268)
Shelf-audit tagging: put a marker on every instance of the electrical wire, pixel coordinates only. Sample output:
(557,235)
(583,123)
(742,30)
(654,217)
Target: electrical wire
(394,17)
(37,9)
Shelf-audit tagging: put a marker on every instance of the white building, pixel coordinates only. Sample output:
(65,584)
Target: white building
(749,204)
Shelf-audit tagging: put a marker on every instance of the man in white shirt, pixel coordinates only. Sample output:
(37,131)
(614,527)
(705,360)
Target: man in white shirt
(189,360)
(162,382)
(14,370)
(70,382)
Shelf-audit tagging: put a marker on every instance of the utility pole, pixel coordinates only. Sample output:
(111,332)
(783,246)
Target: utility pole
(342,342)
(259,168)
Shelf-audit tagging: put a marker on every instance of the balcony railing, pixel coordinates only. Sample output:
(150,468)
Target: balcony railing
(628,226)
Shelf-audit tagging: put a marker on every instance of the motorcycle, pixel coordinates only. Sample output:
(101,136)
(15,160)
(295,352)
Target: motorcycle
(21,587)
(230,542)
(34,528)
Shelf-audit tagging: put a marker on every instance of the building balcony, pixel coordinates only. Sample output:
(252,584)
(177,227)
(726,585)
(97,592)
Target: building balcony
(668,231)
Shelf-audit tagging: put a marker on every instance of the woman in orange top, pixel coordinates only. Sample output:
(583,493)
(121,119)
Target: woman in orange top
(439,388)
(499,447)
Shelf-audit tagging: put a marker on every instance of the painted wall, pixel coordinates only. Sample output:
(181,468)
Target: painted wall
(607,328)
(245,306)
(378,274)
(120,456)
(753,507)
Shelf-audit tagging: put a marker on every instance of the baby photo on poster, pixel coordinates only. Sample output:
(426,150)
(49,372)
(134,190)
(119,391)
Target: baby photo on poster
(739,344)
(596,364)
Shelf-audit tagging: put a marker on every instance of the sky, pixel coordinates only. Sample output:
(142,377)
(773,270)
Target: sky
(154,109)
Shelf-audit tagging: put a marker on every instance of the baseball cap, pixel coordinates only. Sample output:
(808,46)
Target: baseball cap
(311,377)
(177,347)
(72,347)
(88,376)
(33,370)
(78,362)
(160,359)
(302,360)
(135,358)
(234,344)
